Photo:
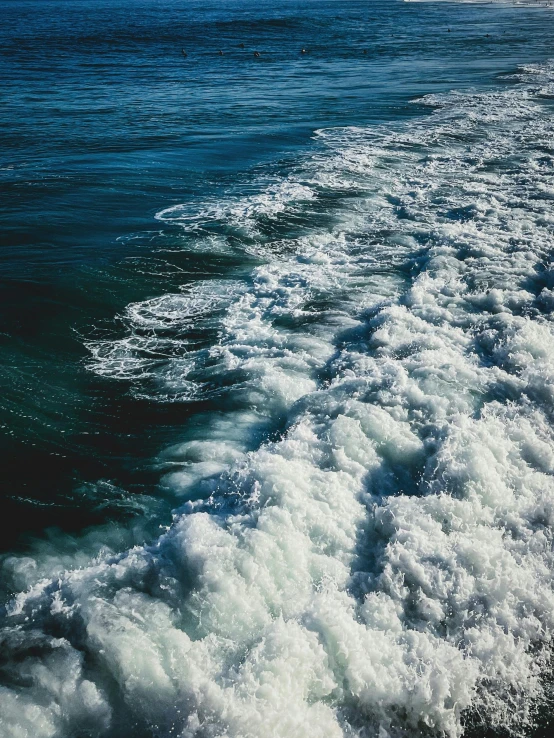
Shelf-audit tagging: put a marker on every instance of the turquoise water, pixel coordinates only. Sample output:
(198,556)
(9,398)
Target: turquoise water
(276,380)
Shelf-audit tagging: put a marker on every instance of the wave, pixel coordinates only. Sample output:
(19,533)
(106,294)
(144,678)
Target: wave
(382,563)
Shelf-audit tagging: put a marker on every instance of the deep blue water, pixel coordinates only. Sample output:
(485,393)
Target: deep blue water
(159,216)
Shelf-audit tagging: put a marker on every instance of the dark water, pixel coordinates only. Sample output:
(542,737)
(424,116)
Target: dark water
(206,262)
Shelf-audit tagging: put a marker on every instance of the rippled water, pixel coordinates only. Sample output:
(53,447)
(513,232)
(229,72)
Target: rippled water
(279,368)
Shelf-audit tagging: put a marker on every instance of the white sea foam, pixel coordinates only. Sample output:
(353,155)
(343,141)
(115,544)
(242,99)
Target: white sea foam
(241,213)
(385,566)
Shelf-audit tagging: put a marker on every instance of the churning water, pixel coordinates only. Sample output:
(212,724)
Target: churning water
(307,406)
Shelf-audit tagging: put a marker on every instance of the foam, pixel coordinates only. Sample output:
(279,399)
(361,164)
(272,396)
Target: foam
(240,213)
(384,565)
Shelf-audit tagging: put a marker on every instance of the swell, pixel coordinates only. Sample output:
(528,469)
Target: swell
(382,562)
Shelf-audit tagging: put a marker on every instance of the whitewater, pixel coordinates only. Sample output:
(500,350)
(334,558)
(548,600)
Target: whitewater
(362,536)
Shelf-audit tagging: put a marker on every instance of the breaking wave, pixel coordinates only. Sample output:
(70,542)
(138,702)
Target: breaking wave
(381,562)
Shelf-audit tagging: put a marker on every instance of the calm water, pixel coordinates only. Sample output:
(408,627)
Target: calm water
(276,383)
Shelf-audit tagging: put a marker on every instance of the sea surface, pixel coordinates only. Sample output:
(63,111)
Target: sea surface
(276,369)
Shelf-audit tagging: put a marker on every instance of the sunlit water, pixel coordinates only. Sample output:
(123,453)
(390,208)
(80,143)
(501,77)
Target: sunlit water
(278,369)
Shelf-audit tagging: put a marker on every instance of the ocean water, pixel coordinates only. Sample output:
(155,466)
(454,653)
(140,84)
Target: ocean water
(277,378)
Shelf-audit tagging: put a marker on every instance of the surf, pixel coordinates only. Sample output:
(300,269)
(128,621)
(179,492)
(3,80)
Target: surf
(362,535)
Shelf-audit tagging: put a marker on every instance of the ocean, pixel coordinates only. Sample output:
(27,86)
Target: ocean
(277,369)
